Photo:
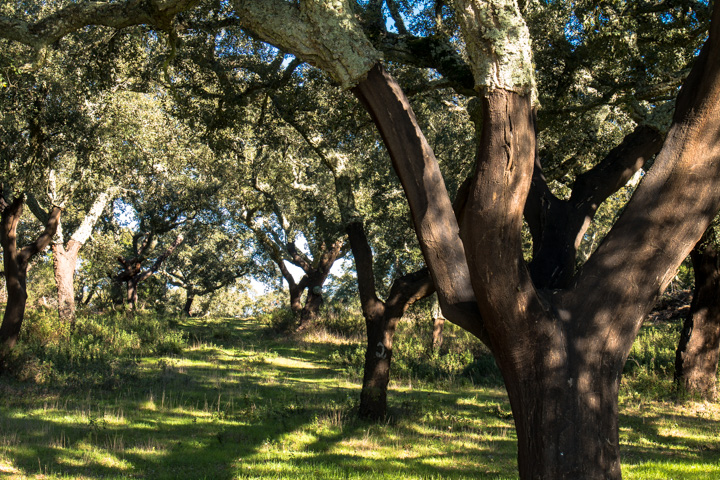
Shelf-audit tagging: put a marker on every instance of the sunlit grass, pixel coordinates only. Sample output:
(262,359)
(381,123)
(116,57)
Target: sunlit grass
(263,407)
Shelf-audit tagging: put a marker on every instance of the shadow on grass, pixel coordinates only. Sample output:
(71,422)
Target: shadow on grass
(250,406)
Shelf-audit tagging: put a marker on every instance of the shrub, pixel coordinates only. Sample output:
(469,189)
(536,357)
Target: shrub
(98,346)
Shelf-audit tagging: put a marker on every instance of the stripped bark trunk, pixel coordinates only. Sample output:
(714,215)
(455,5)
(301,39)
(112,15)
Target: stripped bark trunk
(696,359)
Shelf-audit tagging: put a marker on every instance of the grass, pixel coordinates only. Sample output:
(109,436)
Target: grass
(239,403)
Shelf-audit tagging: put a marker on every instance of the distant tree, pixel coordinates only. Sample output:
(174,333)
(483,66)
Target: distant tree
(209,259)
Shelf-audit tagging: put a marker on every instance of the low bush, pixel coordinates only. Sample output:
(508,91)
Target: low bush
(49,348)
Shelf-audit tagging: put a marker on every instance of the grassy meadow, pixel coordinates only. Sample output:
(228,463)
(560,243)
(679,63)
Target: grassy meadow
(233,399)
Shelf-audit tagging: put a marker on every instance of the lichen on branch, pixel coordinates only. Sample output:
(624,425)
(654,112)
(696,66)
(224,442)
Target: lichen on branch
(324,33)
(498,44)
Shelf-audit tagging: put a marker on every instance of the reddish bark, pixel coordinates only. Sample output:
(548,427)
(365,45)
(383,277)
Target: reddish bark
(64,262)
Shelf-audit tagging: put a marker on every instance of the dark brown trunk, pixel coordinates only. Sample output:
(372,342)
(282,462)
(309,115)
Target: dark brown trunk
(314,279)
(557,226)
(566,417)
(189,299)
(311,310)
(376,373)
(64,261)
(561,352)
(696,359)
(15,262)
(381,318)
(432,212)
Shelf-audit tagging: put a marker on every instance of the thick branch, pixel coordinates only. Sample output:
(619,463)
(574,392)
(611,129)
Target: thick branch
(159,261)
(433,215)
(45,238)
(77,15)
(667,215)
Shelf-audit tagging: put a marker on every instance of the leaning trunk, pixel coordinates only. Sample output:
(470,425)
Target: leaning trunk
(64,261)
(16,281)
(15,263)
(696,360)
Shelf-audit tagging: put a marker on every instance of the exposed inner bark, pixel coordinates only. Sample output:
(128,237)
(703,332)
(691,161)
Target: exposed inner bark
(696,360)
(15,262)
(561,352)
(64,261)
(432,212)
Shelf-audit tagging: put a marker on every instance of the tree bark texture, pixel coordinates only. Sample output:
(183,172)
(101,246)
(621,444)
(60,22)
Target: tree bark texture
(430,206)
(15,263)
(696,360)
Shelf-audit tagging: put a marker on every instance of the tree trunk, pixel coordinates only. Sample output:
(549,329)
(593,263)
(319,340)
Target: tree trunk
(696,359)
(15,263)
(64,262)
(381,318)
(132,293)
(188,304)
(376,373)
(566,418)
(561,352)
(437,335)
(311,310)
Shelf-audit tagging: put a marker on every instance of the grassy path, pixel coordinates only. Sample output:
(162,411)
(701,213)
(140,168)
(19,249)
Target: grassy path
(239,403)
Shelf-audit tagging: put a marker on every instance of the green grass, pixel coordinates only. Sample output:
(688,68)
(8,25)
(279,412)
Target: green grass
(237,402)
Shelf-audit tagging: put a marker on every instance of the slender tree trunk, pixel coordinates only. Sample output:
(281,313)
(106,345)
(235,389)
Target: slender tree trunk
(64,262)
(381,318)
(15,262)
(188,304)
(376,373)
(696,359)
(132,294)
